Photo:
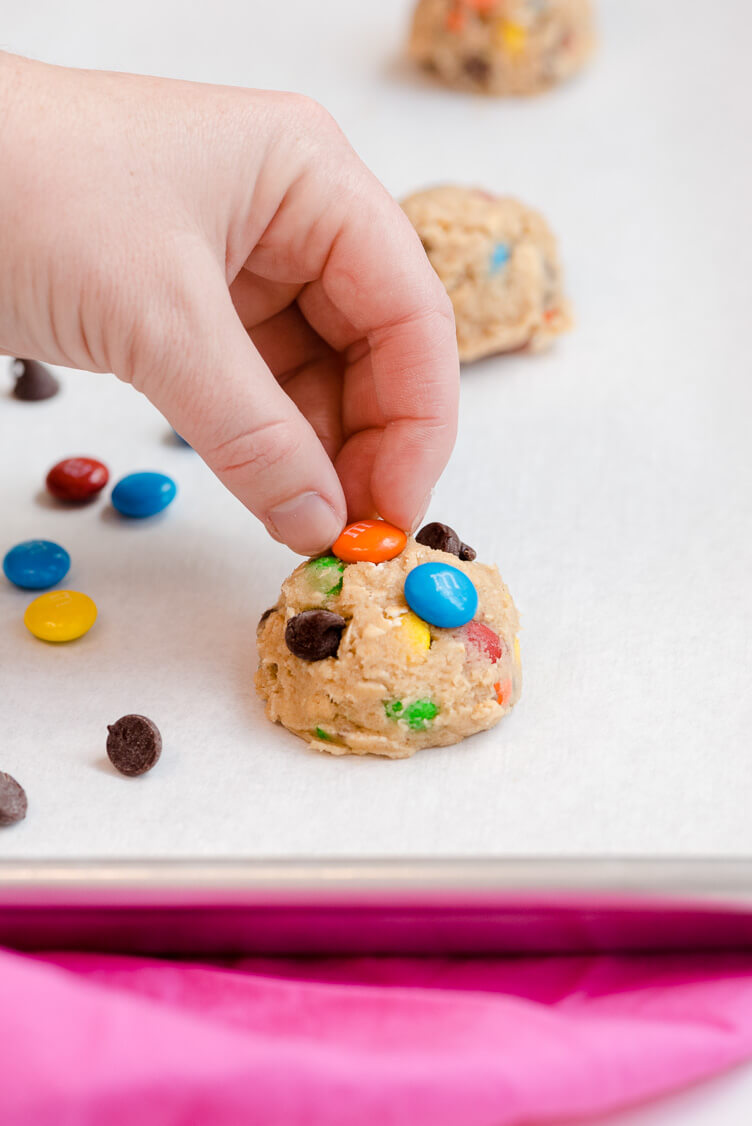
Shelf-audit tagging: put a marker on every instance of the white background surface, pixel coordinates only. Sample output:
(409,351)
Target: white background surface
(611,480)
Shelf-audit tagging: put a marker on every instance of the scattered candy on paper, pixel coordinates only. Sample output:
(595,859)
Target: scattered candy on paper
(34,381)
(60,615)
(134,744)
(13,802)
(143,494)
(36,564)
(77,479)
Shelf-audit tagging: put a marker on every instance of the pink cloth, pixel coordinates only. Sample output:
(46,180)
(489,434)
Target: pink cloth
(105,1039)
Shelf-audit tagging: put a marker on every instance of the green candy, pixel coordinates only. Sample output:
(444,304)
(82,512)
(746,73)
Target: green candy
(325,574)
(321,734)
(421,713)
(417,715)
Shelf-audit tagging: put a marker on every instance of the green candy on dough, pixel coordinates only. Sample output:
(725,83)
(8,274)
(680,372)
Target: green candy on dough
(325,574)
(417,715)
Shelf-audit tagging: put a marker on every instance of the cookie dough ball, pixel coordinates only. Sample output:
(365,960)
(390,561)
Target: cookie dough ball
(346,663)
(499,263)
(502,46)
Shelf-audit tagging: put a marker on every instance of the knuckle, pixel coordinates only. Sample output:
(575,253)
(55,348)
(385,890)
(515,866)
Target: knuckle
(310,108)
(314,117)
(156,320)
(255,452)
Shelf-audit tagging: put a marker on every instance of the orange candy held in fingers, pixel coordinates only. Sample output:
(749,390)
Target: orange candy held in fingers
(369,541)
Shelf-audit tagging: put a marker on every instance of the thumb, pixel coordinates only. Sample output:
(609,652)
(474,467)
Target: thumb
(221,397)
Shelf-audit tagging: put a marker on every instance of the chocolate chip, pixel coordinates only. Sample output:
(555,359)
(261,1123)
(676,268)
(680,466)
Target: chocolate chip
(440,537)
(33,381)
(264,616)
(477,68)
(314,634)
(12,800)
(133,744)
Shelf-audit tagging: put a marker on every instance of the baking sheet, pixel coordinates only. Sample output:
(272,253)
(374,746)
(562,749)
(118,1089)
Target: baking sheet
(611,480)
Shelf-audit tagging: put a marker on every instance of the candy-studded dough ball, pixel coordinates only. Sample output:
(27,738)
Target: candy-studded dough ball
(499,263)
(502,46)
(345,664)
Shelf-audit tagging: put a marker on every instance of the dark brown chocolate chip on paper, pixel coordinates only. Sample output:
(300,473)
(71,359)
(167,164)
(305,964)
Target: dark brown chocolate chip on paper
(13,802)
(314,634)
(34,381)
(133,744)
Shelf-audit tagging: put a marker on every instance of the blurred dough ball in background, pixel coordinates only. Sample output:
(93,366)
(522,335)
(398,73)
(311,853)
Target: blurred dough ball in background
(499,263)
(502,46)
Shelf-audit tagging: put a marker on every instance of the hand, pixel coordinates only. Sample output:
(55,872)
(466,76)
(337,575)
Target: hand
(227,253)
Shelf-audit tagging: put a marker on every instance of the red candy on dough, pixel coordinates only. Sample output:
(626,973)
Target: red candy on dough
(483,640)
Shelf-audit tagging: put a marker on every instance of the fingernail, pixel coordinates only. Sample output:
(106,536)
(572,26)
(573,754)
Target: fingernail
(307,523)
(422,511)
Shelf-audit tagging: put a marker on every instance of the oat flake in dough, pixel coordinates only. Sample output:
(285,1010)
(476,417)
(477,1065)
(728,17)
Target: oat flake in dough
(384,692)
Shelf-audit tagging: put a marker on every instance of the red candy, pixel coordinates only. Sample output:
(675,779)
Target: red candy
(77,478)
(483,640)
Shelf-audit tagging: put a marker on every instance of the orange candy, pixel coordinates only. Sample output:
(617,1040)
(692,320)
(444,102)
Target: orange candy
(455,20)
(503,692)
(369,541)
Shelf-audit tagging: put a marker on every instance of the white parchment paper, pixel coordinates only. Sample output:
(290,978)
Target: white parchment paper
(611,480)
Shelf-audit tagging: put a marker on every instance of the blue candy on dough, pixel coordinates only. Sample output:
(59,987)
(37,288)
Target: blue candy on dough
(441,595)
(499,257)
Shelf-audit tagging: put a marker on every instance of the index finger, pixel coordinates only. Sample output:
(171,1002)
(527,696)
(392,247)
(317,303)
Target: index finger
(379,298)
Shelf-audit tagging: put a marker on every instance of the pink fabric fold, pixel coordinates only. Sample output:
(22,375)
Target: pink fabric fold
(106,1039)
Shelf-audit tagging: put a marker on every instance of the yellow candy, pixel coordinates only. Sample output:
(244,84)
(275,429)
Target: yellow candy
(60,615)
(414,633)
(512,37)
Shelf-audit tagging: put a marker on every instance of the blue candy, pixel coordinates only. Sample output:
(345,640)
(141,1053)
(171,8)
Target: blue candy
(181,440)
(441,595)
(36,564)
(143,494)
(499,257)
